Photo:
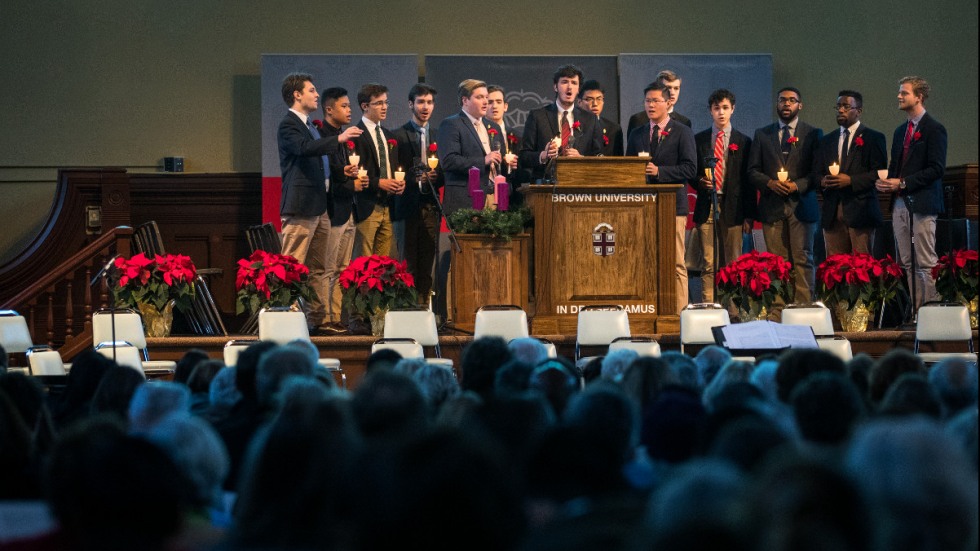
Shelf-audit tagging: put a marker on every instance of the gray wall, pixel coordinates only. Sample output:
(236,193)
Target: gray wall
(125,83)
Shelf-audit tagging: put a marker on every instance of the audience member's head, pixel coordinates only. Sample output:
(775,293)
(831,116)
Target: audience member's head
(199,381)
(114,492)
(385,358)
(704,493)
(389,405)
(83,379)
(197,451)
(553,380)
(592,370)
(888,369)
(764,377)
(858,370)
(912,394)
(512,378)
(685,370)
(247,368)
(278,364)
(645,378)
(408,366)
(116,390)
(481,360)
(437,383)
(671,426)
(608,417)
(921,487)
(747,440)
(528,350)
(798,364)
(223,393)
(963,430)
(826,407)
(729,374)
(710,360)
(615,363)
(152,402)
(187,363)
(956,383)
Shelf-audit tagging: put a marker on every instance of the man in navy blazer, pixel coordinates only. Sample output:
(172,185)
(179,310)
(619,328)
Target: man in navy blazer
(672,160)
(464,142)
(788,209)
(592,98)
(915,180)
(673,83)
(736,198)
(306,202)
(850,201)
(378,150)
(558,119)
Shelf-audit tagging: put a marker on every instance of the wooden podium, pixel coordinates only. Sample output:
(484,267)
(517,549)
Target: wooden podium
(602,235)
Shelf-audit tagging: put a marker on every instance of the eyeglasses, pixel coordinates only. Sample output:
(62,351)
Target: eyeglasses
(791,101)
(658,100)
(845,108)
(596,100)
(379,103)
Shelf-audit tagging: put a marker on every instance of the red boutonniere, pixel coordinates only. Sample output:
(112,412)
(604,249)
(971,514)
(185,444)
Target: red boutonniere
(605,139)
(733,147)
(318,124)
(859,141)
(917,136)
(491,132)
(576,125)
(664,134)
(392,143)
(512,139)
(433,147)
(350,145)
(793,140)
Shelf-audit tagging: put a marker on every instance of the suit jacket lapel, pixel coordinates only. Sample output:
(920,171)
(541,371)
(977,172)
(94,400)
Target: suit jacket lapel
(552,112)
(372,154)
(851,149)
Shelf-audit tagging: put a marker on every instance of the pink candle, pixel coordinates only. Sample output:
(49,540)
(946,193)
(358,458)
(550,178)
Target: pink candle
(479,198)
(474,180)
(502,192)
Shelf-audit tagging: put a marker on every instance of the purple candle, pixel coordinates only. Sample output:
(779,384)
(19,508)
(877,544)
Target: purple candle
(501,189)
(479,198)
(474,180)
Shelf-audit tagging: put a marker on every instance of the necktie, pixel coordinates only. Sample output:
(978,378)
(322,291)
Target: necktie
(784,141)
(422,144)
(654,140)
(720,155)
(843,147)
(908,141)
(566,130)
(382,151)
(324,158)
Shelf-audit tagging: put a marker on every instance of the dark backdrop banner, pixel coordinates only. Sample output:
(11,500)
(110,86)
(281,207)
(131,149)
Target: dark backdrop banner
(527,81)
(748,76)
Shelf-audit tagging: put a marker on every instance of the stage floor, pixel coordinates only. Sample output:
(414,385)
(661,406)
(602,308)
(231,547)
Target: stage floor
(353,351)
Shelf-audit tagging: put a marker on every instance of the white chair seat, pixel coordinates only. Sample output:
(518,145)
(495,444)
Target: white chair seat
(643,347)
(944,322)
(838,346)
(329,363)
(124,354)
(44,361)
(407,348)
(936,357)
(697,321)
(508,323)
(442,362)
(232,349)
(815,315)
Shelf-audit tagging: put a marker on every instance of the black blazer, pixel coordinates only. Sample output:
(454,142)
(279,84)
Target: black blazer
(613,143)
(460,149)
(865,156)
(542,126)
(641,119)
(924,169)
(764,164)
(341,187)
(373,195)
(409,155)
(737,203)
(304,190)
(675,157)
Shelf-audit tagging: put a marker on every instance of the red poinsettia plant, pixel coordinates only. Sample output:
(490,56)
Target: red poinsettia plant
(157,281)
(266,280)
(375,283)
(956,275)
(753,281)
(845,280)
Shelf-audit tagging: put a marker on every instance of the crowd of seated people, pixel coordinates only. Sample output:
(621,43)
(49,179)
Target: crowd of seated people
(513,451)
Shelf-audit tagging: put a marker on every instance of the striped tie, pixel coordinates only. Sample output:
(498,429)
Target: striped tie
(720,155)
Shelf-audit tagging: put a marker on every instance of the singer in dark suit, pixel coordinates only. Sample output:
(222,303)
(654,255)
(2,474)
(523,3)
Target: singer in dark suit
(915,178)
(498,107)
(543,125)
(375,229)
(417,208)
(673,83)
(850,210)
(306,203)
(787,209)
(592,98)
(465,142)
(736,198)
(673,159)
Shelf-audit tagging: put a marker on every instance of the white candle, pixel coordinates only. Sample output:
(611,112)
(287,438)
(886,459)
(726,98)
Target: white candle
(399,174)
(882,173)
(643,154)
(834,169)
(510,157)
(782,174)
(354,159)
(433,162)
(362,173)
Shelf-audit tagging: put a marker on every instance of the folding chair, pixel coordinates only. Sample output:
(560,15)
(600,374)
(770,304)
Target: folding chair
(644,346)
(128,332)
(282,325)
(506,321)
(697,321)
(15,337)
(418,324)
(599,326)
(407,348)
(944,322)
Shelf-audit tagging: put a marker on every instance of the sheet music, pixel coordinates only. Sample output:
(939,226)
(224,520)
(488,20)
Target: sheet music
(767,334)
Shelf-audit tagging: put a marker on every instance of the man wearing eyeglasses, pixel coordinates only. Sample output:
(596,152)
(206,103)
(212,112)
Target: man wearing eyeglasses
(378,150)
(780,166)
(673,159)
(673,83)
(850,211)
(592,98)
